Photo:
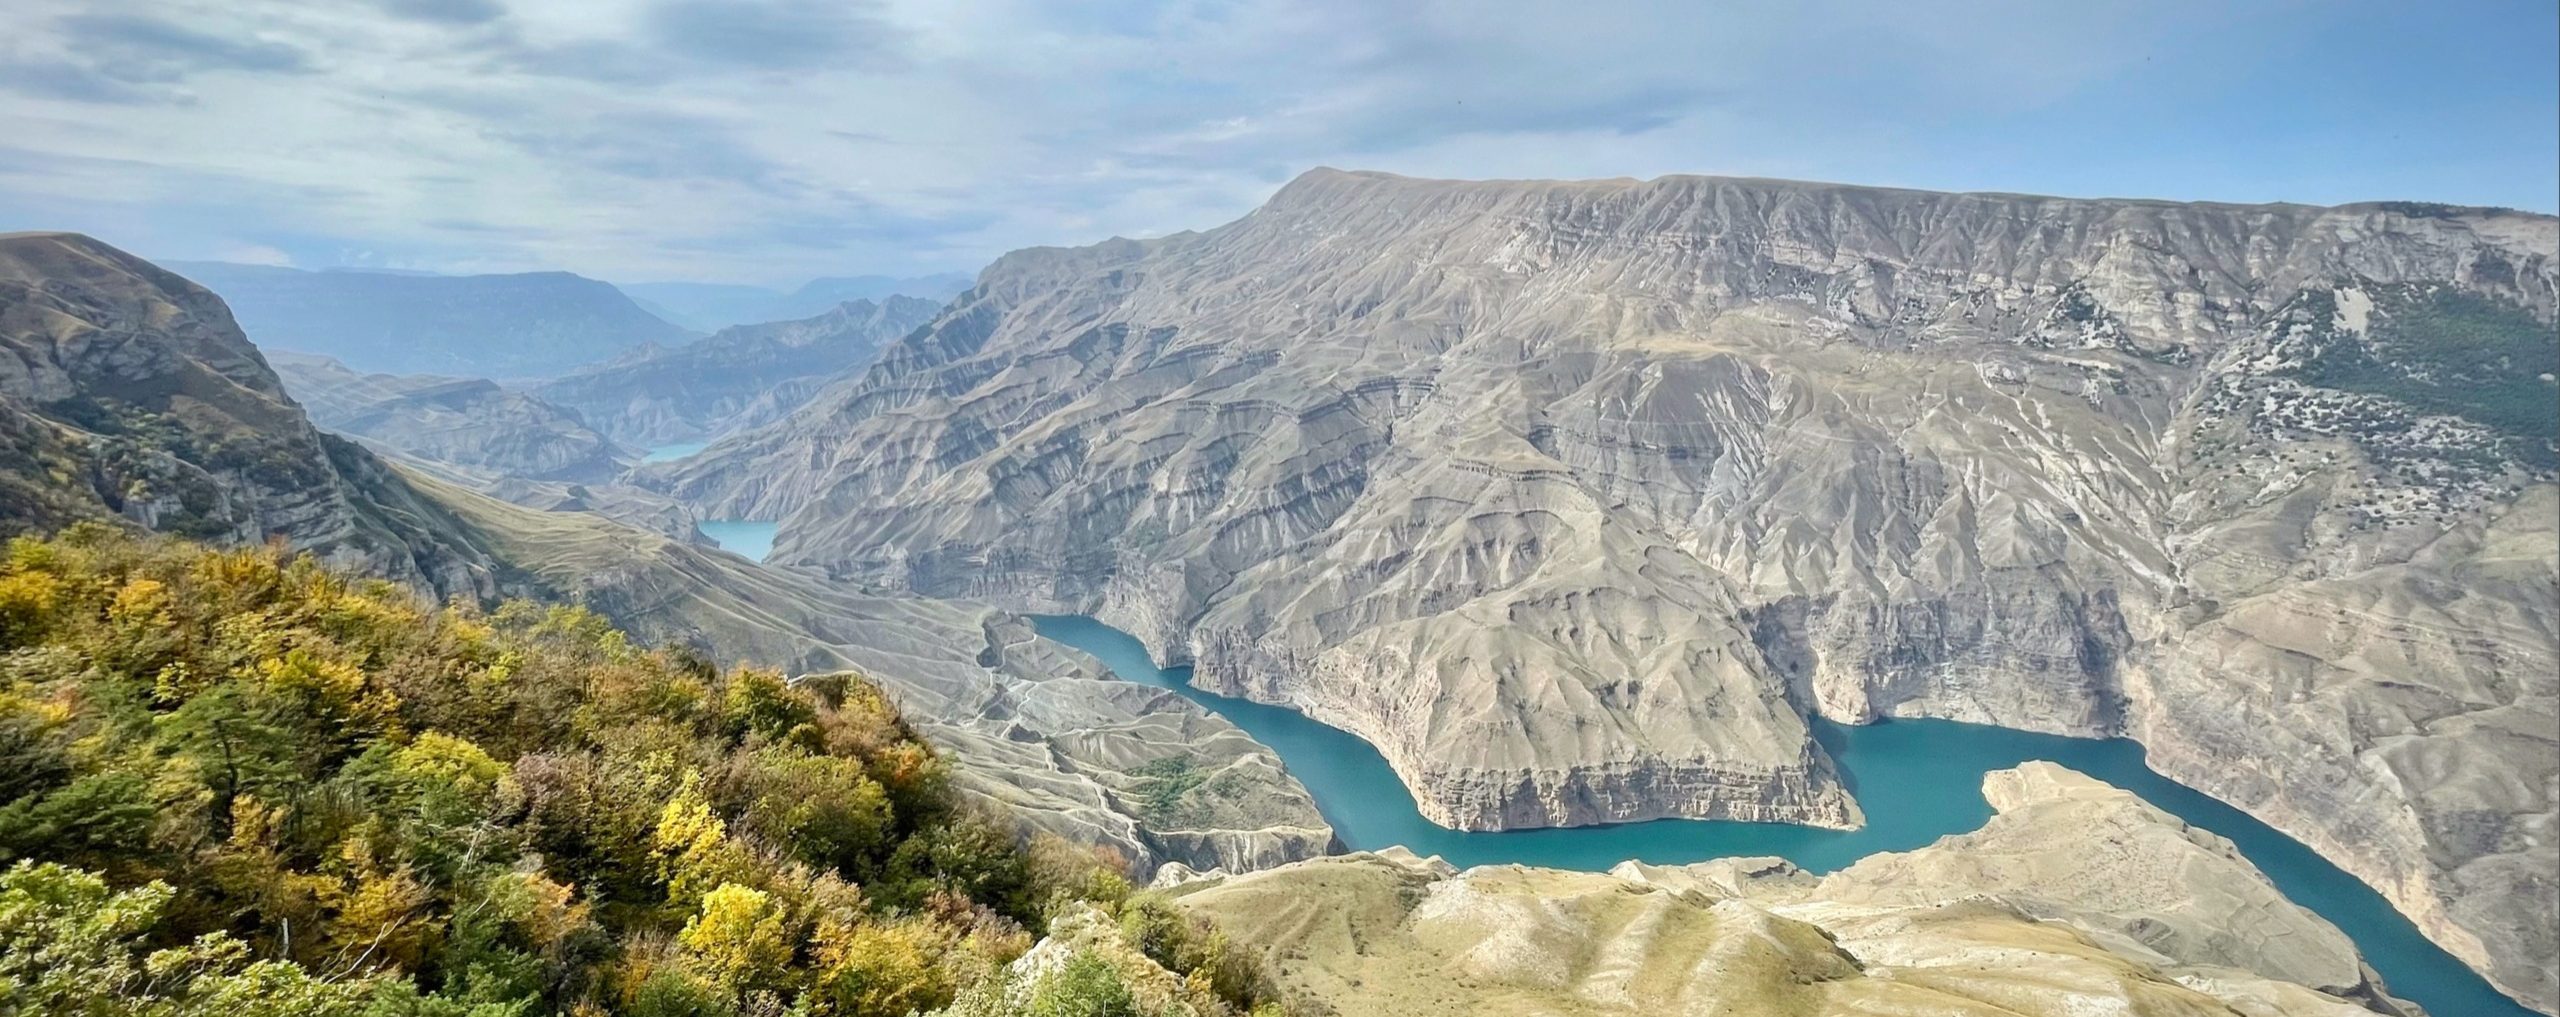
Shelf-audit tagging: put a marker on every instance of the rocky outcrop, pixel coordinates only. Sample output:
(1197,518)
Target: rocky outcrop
(738,378)
(469,422)
(2064,847)
(127,394)
(2078,898)
(1573,497)
(1037,728)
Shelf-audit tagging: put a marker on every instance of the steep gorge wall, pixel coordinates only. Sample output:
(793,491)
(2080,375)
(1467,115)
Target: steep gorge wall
(1574,497)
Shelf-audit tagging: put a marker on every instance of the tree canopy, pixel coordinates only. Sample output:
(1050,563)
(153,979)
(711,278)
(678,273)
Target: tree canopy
(237,782)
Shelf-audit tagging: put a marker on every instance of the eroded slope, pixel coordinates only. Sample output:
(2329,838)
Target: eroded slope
(1572,497)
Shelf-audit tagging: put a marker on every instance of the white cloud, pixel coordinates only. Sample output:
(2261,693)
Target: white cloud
(779,139)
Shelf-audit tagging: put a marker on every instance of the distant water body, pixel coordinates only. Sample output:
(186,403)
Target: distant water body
(1918,780)
(664,453)
(752,541)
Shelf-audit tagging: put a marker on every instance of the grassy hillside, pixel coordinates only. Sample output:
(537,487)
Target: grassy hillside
(235,782)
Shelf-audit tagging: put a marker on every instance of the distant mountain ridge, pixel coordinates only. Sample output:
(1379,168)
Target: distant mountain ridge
(463,421)
(521,325)
(743,376)
(709,307)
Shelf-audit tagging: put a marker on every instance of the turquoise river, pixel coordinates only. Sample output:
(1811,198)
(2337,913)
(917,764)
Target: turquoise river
(1918,780)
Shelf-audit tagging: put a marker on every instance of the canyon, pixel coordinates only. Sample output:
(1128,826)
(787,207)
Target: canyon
(1576,499)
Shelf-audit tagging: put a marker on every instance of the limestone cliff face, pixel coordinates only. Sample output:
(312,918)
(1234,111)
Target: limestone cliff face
(738,378)
(127,393)
(1575,497)
(2077,899)
(468,422)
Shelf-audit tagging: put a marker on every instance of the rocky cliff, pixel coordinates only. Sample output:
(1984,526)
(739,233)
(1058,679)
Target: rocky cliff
(463,421)
(127,393)
(1575,497)
(2078,899)
(737,378)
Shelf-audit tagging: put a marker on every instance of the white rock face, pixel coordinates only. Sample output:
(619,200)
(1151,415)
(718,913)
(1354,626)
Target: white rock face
(1574,498)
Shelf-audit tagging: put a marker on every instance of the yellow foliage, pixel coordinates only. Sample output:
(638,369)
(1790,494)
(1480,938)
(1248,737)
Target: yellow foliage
(739,937)
(27,600)
(175,683)
(545,911)
(50,712)
(248,571)
(868,968)
(690,842)
(450,760)
(332,682)
(140,601)
(378,914)
(243,720)
(300,670)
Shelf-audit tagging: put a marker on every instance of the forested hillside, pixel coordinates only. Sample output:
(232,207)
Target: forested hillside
(236,782)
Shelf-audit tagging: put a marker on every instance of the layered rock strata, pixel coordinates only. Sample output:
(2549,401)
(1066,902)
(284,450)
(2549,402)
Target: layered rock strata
(1574,498)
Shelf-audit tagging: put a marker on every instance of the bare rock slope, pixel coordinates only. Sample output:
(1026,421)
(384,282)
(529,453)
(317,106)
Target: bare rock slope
(1575,497)
(128,394)
(2077,899)
(469,422)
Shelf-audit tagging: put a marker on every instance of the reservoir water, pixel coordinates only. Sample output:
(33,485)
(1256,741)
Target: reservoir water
(664,453)
(1917,780)
(752,541)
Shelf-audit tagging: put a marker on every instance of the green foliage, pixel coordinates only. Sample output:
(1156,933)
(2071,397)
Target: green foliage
(2442,351)
(71,946)
(236,782)
(1163,783)
(1186,945)
(1085,987)
(1171,790)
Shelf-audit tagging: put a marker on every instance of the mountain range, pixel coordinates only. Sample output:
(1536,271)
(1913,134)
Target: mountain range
(463,421)
(522,325)
(738,377)
(709,307)
(1576,498)
(130,398)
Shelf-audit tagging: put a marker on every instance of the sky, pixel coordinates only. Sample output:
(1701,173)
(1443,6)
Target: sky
(770,141)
